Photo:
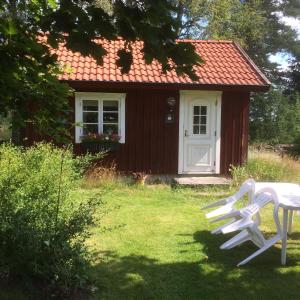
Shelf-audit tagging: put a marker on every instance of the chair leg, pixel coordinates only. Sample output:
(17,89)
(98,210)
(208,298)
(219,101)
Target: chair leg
(219,229)
(284,236)
(238,239)
(269,243)
(291,216)
(258,238)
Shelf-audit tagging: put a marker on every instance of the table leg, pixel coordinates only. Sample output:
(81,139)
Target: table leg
(284,236)
(291,216)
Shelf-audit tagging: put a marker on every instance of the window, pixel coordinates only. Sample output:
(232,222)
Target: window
(199,119)
(110,117)
(5,128)
(90,116)
(100,113)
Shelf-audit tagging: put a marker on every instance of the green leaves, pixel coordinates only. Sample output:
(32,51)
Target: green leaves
(29,71)
(125,60)
(153,22)
(258,26)
(9,27)
(43,223)
(274,118)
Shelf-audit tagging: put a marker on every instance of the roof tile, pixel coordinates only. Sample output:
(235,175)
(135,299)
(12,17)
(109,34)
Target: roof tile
(225,64)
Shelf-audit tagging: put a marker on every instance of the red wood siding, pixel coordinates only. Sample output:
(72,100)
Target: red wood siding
(151,144)
(234,129)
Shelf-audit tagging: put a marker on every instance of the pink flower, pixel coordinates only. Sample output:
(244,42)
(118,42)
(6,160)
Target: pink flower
(96,137)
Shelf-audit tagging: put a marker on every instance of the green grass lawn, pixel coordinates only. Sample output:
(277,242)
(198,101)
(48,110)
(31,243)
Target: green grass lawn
(157,245)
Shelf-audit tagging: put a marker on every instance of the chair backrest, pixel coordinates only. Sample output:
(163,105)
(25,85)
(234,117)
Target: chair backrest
(274,197)
(248,187)
(261,199)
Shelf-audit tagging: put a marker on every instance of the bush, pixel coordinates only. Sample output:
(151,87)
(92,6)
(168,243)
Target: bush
(42,225)
(260,169)
(295,151)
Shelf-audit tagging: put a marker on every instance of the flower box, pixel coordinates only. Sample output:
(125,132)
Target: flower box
(95,143)
(96,147)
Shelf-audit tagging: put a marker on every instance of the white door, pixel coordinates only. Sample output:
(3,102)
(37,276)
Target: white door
(199,134)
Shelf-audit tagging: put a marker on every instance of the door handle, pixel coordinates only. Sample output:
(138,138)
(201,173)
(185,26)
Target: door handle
(186,133)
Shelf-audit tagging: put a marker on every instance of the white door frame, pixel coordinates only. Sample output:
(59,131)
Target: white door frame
(215,96)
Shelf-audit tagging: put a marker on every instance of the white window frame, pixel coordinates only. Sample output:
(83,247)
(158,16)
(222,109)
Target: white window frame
(79,96)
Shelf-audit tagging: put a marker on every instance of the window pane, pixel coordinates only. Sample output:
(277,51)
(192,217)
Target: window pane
(203,120)
(110,129)
(90,128)
(110,105)
(196,120)
(110,117)
(203,110)
(90,117)
(196,110)
(202,129)
(90,105)
(195,129)
(5,128)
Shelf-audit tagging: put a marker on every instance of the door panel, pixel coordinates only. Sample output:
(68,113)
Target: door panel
(199,155)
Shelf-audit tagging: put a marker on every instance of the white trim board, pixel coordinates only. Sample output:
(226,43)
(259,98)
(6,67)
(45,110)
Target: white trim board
(215,96)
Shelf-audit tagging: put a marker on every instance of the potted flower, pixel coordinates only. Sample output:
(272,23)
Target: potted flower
(139,177)
(95,142)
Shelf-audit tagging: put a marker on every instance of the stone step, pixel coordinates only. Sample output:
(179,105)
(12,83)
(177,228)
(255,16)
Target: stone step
(201,180)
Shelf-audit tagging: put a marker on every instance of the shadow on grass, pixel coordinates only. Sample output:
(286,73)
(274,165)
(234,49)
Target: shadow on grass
(213,276)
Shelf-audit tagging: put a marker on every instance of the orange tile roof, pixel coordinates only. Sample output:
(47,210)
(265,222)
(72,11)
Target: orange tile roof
(225,64)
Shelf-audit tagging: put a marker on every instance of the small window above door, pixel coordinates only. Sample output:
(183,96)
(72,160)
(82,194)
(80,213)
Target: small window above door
(199,120)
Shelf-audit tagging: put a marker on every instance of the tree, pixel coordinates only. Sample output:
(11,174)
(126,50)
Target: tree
(274,118)
(28,74)
(190,15)
(257,25)
(293,73)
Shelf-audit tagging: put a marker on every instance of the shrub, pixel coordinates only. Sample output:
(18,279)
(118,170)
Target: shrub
(295,151)
(42,224)
(260,169)
(104,176)
(99,175)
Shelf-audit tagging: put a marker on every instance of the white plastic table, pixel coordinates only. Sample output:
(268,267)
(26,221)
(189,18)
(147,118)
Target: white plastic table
(287,203)
(287,197)
(284,195)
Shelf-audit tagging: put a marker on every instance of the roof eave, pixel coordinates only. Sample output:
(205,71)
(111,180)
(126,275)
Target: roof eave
(160,85)
(252,63)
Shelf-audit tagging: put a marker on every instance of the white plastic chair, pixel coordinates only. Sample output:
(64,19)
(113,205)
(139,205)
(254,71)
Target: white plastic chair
(251,187)
(227,205)
(270,194)
(228,210)
(247,222)
(282,195)
(247,219)
(287,197)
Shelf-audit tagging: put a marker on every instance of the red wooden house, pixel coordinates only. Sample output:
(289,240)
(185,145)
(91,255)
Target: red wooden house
(168,124)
